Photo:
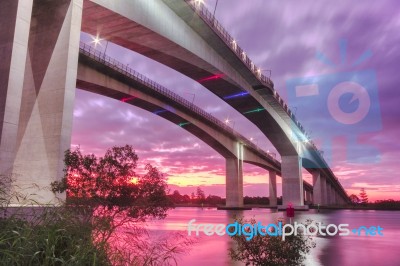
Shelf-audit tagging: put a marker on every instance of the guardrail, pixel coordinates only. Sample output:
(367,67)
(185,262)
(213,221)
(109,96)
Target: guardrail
(214,24)
(101,57)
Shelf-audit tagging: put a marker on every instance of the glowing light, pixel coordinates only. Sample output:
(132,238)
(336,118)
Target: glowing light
(133,180)
(159,111)
(198,2)
(240,94)
(183,124)
(96,40)
(227,121)
(213,77)
(127,99)
(234,44)
(251,139)
(254,110)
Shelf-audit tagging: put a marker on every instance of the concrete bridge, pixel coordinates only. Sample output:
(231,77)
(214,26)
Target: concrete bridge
(40,48)
(101,74)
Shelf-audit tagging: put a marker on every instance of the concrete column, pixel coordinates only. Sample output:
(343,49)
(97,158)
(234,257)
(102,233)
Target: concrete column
(328,193)
(324,191)
(310,198)
(15,17)
(334,200)
(272,189)
(318,193)
(234,182)
(292,181)
(332,195)
(45,121)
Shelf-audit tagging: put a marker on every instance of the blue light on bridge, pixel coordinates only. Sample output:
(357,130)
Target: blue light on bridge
(241,94)
(157,112)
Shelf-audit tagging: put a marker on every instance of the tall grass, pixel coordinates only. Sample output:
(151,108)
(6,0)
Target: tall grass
(49,237)
(75,236)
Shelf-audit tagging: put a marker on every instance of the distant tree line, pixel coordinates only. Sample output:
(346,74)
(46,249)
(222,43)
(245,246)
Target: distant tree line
(361,200)
(198,197)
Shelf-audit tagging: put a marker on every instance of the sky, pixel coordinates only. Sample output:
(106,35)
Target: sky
(309,42)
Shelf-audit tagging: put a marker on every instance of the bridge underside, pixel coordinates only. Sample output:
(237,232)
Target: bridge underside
(41,47)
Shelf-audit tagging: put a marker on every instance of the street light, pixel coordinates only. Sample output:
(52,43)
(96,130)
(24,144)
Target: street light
(96,40)
(227,121)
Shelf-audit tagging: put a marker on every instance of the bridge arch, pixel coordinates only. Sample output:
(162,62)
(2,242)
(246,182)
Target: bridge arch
(105,76)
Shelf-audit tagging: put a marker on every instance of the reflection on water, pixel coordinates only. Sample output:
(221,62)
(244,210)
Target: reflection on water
(338,250)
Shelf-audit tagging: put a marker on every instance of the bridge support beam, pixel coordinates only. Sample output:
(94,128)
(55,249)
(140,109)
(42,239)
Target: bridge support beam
(15,17)
(318,188)
(49,81)
(292,182)
(334,200)
(328,193)
(234,183)
(331,195)
(272,189)
(307,197)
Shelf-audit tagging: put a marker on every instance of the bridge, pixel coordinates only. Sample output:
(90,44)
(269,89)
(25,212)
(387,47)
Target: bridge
(42,67)
(101,74)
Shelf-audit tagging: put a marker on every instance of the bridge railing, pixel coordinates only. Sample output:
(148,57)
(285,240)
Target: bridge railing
(101,57)
(214,24)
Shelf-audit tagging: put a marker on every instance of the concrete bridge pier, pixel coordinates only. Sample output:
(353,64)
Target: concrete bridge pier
(41,107)
(307,197)
(320,189)
(15,18)
(234,183)
(334,199)
(331,195)
(292,182)
(328,193)
(273,202)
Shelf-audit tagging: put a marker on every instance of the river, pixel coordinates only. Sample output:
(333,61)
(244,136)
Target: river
(336,250)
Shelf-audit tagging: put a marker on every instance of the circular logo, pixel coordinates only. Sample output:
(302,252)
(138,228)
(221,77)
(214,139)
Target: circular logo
(358,92)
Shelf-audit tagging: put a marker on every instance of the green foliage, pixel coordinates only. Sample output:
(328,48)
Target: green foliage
(102,220)
(354,199)
(111,182)
(270,250)
(51,237)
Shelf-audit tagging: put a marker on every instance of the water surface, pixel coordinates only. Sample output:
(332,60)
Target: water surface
(338,250)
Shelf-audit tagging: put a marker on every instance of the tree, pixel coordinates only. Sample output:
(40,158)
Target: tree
(363,196)
(108,187)
(354,199)
(192,196)
(200,196)
(176,197)
(270,250)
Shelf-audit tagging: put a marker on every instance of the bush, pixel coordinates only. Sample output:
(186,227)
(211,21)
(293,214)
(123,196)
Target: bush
(51,237)
(270,250)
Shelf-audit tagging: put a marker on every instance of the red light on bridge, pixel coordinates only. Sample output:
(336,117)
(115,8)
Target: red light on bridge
(213,77)
(127,99)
